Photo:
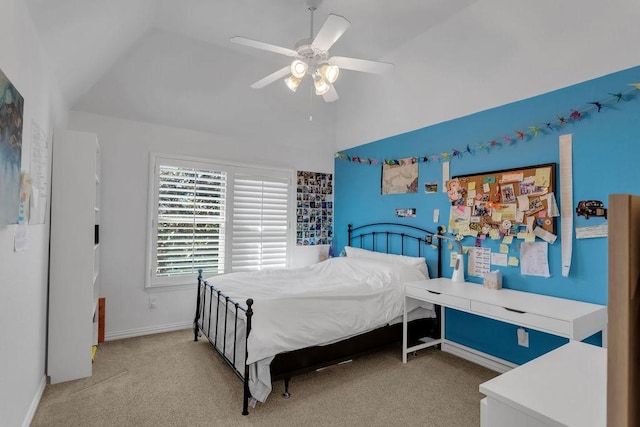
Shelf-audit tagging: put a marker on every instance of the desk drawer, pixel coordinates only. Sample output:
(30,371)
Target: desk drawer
(532,320)
(438,298)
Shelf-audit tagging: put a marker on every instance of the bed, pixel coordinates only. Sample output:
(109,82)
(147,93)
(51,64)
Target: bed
(274,324)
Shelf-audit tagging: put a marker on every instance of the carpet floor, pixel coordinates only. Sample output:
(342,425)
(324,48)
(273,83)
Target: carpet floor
(169,380)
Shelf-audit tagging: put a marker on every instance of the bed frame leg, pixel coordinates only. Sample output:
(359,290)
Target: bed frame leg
(286,393)
(197,316)
(247,393)
(245,399)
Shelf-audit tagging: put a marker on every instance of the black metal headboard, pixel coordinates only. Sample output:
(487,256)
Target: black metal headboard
(384,236)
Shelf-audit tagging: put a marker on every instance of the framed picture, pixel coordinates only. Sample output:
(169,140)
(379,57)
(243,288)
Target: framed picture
(400,177)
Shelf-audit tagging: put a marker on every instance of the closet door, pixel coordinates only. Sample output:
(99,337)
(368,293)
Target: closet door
(623,365)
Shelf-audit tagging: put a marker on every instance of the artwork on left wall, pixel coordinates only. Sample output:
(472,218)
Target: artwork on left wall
(314,201)
(11,114)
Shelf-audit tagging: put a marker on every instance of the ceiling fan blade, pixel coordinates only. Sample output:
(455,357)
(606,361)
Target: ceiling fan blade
(271,78)
(332,95)
(331,30)
(264,46)
(361,65)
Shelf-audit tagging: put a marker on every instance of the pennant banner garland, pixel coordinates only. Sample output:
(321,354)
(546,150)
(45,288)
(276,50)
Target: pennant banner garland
(509,138)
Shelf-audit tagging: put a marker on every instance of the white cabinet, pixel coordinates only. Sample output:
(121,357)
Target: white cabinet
(565,387)
(74,260)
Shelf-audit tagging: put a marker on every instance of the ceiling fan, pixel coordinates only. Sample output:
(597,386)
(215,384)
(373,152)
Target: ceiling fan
(311,57)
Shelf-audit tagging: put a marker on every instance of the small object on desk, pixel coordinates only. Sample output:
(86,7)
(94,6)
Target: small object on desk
(493,280)
(458,267)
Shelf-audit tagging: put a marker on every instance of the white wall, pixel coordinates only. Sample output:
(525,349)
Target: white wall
(125,148)
(512,50)
(23,275)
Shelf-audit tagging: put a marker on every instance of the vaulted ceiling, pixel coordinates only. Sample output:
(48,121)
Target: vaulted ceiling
(170,62)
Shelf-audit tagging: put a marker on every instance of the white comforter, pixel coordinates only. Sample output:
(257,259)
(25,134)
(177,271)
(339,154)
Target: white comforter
(314,305)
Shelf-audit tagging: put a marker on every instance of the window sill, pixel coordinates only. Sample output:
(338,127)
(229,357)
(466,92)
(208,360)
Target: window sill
(168,288)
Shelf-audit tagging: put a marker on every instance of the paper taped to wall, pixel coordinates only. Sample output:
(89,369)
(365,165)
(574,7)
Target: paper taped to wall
(566,197)
(534,259)
(592,231)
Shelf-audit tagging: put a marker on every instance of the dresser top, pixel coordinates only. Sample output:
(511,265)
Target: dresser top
(567,386)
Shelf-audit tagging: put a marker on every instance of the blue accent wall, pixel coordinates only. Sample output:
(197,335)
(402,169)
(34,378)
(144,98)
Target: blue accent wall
(606,154)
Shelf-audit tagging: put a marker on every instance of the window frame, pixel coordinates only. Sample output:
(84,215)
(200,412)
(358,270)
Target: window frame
(152,282)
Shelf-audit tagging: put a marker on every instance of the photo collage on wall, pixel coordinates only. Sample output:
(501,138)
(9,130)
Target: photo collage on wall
(314,199)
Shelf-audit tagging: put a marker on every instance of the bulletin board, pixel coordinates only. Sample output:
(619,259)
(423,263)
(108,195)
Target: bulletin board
(508,201)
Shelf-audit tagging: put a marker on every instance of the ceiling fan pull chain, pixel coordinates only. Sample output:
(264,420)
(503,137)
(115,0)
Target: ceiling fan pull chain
(312,5)
(312,9)
(311,104)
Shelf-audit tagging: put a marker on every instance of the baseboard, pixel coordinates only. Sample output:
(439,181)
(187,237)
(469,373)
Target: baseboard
(130,333)
(483,359)
(35,402)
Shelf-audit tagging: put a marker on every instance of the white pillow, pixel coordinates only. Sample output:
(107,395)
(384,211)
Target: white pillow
(418,262)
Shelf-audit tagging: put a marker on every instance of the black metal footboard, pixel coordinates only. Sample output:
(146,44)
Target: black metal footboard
(207,294)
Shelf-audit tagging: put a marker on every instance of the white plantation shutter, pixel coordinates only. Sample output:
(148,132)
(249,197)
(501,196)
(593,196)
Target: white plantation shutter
(260,222)
(215,217)
(190,221)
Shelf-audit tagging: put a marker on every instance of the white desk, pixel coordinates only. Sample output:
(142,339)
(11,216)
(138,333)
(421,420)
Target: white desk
(565,387)
(558,316)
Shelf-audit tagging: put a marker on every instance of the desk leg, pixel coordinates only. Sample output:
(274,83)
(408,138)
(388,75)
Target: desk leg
(442,310)
(404,332)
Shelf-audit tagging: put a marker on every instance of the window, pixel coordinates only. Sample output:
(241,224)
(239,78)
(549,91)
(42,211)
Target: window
(216,217)
(260,223)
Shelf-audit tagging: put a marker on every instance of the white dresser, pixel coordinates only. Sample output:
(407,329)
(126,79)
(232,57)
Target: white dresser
(565,387)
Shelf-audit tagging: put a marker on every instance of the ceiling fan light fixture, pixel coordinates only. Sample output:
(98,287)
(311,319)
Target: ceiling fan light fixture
(299,68)
(322,85)
(330,72)
(311,56)
(292,82)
